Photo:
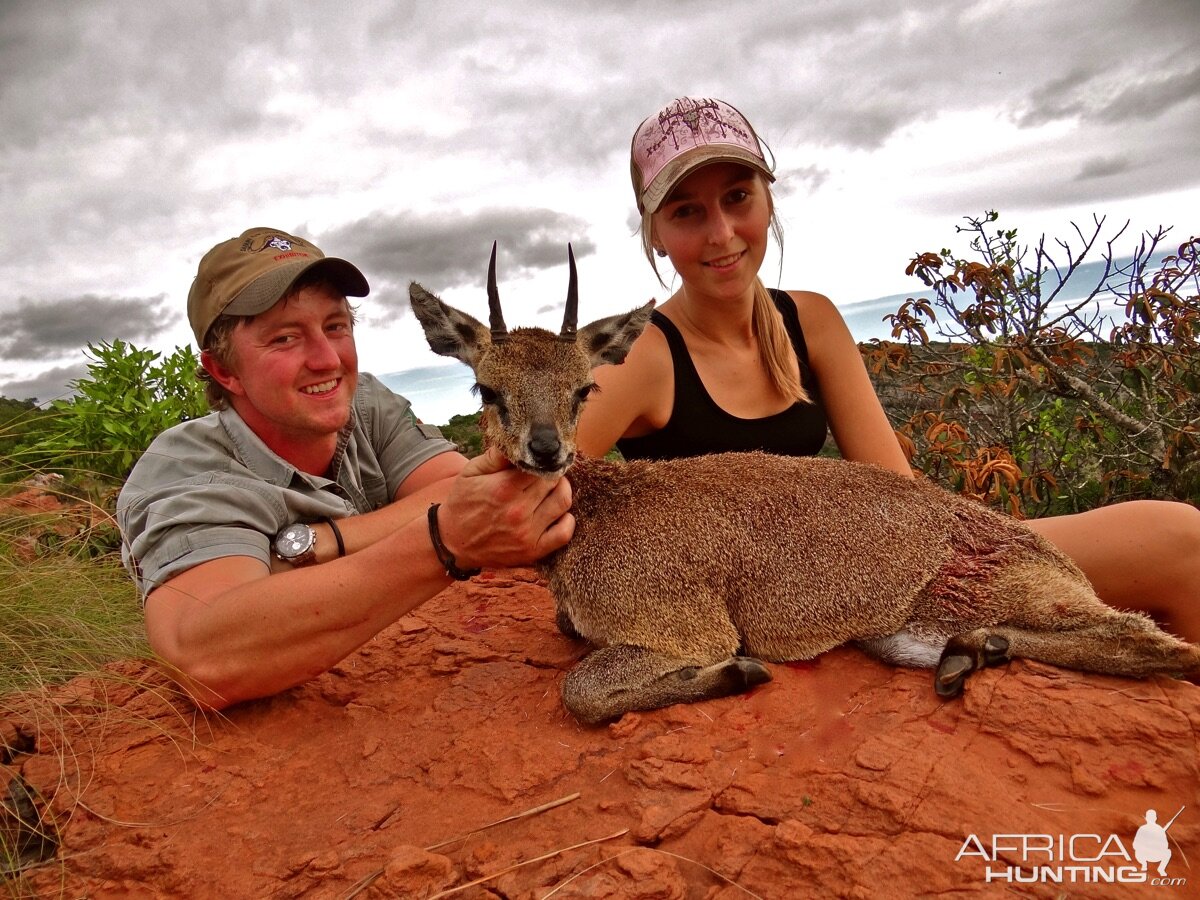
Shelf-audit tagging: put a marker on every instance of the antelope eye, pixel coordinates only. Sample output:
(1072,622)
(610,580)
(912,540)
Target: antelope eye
(584,392)
(487,395)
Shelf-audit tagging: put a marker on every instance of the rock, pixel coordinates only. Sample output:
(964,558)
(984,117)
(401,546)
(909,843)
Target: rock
(413,872)
(841,777)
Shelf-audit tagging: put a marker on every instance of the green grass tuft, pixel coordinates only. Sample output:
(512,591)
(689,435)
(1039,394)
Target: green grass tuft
(62,615)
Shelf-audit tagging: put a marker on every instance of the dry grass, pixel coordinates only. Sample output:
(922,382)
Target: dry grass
(62,615)
(67,608)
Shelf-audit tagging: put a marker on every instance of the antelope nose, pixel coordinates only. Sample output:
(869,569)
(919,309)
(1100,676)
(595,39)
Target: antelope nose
(544,445)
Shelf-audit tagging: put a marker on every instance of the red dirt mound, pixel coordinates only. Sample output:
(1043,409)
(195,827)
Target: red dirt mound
(391,777)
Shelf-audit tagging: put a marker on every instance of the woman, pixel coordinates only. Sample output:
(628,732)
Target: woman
(731,365)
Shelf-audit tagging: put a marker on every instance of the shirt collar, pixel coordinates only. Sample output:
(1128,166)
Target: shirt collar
(269,465)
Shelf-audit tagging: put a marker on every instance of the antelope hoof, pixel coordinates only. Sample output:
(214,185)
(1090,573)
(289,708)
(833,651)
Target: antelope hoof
(995,650)
(735,675)
(747,672)
(952,673)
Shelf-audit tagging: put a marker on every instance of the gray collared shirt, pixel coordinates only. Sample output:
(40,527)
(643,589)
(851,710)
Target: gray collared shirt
(210,488)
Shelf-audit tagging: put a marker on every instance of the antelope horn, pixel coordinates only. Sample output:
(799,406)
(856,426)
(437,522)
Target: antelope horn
(571,313)
(499,331)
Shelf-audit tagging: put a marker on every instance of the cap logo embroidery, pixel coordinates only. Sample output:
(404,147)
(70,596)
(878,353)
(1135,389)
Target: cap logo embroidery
(275,242)
(701,123)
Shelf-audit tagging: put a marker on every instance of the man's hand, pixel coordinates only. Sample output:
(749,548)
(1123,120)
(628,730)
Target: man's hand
(497,515)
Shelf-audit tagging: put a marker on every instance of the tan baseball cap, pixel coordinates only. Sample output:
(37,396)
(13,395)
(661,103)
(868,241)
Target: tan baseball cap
(247,275)
(683,136)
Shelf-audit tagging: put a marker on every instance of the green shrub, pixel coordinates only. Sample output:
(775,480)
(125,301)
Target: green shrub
(20,423)
(127,398)
(465,432)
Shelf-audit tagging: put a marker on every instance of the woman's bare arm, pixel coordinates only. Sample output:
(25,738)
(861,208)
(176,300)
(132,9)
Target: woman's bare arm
(856,417)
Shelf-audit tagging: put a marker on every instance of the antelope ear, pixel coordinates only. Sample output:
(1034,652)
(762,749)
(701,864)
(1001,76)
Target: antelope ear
(449,331)
(608,340)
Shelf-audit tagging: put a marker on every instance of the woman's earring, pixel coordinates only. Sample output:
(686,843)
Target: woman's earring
(660,251)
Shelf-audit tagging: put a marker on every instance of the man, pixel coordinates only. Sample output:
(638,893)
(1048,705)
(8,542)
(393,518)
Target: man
(274,536)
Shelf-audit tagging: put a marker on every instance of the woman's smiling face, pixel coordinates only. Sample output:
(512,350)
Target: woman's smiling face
(713,226)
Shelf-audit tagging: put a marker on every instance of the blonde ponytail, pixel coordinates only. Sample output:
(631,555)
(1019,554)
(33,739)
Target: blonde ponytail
(775,346)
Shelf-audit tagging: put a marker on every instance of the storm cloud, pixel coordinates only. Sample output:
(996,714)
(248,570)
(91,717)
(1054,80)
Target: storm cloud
(409,136)
(40,329)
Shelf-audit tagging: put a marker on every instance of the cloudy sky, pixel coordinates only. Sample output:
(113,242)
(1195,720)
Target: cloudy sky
(407,136)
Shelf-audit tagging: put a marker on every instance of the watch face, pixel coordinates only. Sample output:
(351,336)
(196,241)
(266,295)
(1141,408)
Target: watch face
(294,541)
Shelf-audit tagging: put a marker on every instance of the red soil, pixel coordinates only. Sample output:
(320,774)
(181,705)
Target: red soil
(841,778)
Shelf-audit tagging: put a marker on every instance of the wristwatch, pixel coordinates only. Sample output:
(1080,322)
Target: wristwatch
(296,544)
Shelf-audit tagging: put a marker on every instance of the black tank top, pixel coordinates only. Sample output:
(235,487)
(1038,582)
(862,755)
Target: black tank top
(698,425)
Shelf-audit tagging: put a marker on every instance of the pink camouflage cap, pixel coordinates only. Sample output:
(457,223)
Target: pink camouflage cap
(683,136)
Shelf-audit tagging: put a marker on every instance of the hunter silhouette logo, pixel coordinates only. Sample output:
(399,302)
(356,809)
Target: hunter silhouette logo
(1150,844)
(1076,858)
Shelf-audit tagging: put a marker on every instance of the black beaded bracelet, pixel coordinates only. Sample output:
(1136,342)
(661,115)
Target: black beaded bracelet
(445,557)
(337,535)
